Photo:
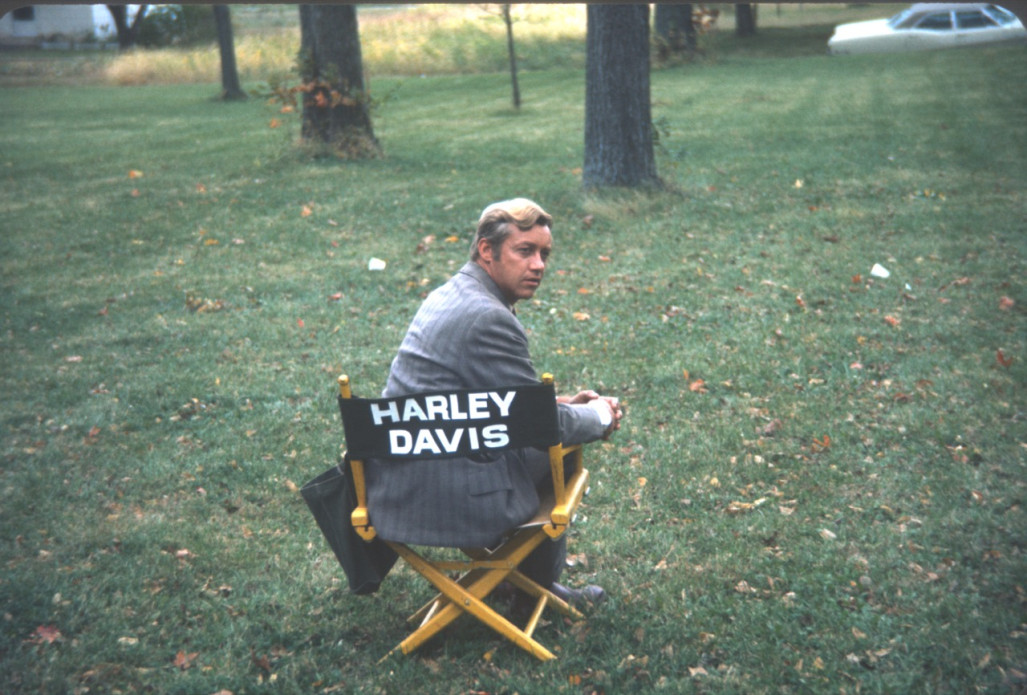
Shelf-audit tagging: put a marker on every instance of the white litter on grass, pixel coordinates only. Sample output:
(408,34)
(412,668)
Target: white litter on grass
(879,271)
(376,264)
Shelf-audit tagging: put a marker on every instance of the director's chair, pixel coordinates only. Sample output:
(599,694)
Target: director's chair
(530,420)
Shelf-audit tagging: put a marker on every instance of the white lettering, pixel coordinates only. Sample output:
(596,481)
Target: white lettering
(412,411)
(379,414)
(425,443)
(450,445)
(503,401)
(495,436)
(400,442)
(472,438)
(454,408)
(478,405)
(436,406)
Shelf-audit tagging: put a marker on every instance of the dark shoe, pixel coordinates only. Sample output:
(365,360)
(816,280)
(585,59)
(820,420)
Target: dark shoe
(591,596)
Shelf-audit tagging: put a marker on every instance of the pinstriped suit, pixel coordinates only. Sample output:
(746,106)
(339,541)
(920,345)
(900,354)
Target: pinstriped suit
(465,335)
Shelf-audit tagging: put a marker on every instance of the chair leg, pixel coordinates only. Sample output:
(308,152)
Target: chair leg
(508,556)
(532,588)
(466,594)
(465,600)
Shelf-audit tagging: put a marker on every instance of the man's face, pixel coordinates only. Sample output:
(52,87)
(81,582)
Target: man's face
(518,264)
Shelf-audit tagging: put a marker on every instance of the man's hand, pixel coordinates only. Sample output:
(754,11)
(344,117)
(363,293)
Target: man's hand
(608,407)
(580,398)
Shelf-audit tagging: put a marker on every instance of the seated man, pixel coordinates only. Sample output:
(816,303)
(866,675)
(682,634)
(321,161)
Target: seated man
(466,336)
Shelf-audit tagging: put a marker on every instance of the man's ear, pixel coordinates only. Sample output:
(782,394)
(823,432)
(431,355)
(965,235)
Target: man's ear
(485,251)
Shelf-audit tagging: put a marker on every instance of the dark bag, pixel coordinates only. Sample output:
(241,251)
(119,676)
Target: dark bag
(331,499)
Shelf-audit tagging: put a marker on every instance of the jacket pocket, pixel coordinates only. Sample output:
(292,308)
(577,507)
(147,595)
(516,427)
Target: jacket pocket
(488,478)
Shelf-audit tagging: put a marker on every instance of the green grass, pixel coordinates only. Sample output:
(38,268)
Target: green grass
(820,483)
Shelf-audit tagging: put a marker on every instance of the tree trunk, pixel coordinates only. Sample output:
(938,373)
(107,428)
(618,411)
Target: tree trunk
(230,88)
(335,104)
(674,29)
(618,117)
(513,56)
(126,32)
(745,19)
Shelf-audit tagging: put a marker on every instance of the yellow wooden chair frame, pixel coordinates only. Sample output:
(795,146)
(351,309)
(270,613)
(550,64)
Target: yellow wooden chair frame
(484,569)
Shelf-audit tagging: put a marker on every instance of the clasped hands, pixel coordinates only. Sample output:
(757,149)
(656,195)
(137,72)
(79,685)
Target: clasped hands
(608,407)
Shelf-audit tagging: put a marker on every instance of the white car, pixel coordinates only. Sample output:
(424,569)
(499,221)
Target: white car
(927,26)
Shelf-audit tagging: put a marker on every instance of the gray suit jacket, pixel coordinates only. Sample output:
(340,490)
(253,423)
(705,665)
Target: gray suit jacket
(464,335)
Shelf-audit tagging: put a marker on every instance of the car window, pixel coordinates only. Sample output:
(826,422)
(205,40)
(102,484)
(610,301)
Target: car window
(939,21)
(973,19)
(900,19)
(1000,14)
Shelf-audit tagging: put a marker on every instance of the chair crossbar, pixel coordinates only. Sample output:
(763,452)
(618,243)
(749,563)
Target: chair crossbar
(463,599)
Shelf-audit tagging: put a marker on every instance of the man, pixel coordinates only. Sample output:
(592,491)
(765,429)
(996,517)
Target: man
(466,336)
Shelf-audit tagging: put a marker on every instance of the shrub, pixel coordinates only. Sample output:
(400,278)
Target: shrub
(177,25)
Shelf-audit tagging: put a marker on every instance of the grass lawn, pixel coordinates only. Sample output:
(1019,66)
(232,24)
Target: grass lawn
(820,483)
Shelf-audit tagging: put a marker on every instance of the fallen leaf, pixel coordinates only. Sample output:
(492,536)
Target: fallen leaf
(183,660)
(1005,304)
(739,507)
(575,559)
(743,587)
(275,123)
(134,174)
(45,634)
(828,535)
(261,662)
(697,386)
(1002,359)
(335,297)
(581,316)
(307,211)
(891,320)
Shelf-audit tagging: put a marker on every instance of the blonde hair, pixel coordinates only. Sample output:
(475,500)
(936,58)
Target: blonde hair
(498,221)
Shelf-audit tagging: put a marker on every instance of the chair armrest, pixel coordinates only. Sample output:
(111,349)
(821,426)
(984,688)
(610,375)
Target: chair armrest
(563,511)
(359,518)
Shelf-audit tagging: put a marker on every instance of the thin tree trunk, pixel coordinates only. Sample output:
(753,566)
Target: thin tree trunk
(126,32)
(745,19)
(230,88)
(513,56)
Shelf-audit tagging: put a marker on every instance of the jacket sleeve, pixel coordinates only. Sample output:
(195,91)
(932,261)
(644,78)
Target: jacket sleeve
(497,355)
